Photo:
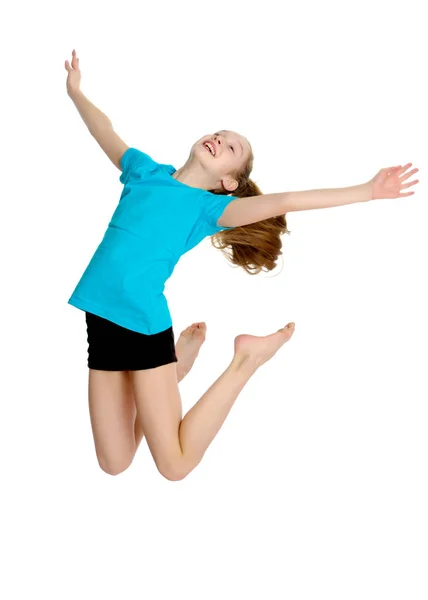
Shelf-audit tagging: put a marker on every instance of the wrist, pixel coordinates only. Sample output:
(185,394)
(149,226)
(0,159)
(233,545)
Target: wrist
(368,191)
(74,92)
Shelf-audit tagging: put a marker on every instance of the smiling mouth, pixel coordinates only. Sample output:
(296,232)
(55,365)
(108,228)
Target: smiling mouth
(208,150)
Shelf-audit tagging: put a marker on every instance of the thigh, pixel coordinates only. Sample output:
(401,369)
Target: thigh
(112,410)
(158,401)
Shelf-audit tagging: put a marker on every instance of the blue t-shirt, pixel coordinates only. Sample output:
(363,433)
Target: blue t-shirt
(157,220)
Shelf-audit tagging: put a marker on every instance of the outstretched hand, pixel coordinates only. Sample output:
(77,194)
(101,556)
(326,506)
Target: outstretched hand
(74,75)
(388,183)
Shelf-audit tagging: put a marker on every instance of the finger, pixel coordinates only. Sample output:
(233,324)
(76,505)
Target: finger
(406,185)
(403,169)
(408,194)
(409,174)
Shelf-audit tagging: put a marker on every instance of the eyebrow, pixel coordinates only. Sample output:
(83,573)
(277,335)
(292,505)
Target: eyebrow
(242,148)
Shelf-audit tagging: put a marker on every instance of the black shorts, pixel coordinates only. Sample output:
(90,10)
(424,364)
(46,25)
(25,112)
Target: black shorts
(114,348)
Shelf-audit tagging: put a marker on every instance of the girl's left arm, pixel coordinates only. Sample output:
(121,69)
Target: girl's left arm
(388,183)
(252,209)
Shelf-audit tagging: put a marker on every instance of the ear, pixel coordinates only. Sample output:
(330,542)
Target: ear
(230,184)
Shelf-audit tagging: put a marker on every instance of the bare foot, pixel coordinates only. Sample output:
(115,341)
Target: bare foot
(259,349)
(188,345)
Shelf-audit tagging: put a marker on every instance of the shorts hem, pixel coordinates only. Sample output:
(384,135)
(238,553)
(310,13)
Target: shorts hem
(100,311)
(140,368)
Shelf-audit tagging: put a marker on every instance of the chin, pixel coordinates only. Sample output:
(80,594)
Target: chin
(202,155)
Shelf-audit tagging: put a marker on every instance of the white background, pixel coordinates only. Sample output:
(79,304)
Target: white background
(316,485)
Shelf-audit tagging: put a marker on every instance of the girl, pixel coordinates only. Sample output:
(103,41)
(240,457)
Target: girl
(134,367)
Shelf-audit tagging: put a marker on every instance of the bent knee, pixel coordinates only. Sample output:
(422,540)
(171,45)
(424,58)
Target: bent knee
(172,475)
(114,467)
(173,471)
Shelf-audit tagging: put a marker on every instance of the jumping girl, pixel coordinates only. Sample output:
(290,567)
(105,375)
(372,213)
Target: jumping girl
(134,366)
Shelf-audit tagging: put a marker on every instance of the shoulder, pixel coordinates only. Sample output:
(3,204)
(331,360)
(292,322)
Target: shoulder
(215,210)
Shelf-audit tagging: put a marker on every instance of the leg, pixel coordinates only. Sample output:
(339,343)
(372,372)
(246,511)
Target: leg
(112,411)
(176,444)
(187,349)
(117,431)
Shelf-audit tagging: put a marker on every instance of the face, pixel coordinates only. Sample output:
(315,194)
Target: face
(230,151)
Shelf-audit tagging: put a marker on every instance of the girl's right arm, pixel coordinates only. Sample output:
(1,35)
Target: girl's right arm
(98,123)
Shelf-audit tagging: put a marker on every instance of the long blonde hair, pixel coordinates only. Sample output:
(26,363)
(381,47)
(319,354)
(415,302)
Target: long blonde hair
(256,246)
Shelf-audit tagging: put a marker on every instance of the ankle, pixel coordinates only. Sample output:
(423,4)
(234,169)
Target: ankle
(245,361)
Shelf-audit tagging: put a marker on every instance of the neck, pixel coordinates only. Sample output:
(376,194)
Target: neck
(195,178)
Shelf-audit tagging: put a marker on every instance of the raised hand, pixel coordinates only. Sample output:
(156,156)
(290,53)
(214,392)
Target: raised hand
(388,183)
(74,75)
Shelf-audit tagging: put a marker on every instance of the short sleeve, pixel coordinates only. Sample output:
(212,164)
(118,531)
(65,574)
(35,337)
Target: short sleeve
(213,206)
(135,162)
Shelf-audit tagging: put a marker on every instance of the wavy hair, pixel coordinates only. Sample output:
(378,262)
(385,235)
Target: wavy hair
(257,246)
